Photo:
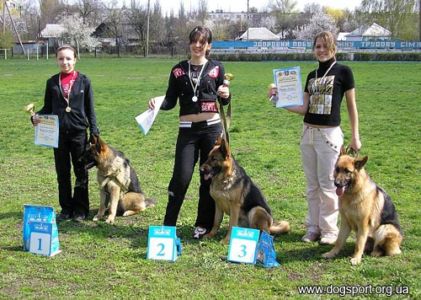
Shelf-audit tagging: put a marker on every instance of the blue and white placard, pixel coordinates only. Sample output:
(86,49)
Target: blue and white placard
(163,243)
(288,84)
(40,233)
(243,243)
(46,132)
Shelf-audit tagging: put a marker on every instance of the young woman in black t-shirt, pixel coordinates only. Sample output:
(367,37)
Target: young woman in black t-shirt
(322,136)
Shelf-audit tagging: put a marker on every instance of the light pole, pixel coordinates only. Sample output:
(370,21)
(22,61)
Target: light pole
(147,30)
(248,19)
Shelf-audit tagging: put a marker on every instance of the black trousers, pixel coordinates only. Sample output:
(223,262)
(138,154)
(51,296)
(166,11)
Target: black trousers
(192,143)
(70,149)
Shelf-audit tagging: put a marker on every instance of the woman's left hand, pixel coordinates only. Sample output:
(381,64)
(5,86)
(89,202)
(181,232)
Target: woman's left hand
(223,91)
(356,144)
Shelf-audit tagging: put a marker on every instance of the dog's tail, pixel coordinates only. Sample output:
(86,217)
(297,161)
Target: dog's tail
(279,227)
(150,202)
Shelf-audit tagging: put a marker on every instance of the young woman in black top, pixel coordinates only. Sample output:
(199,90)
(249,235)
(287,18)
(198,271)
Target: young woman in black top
(198,85)
(69,95)
(322,136)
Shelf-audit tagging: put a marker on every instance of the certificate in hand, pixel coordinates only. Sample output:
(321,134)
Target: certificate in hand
(146,119)
(288,84)
(46,132)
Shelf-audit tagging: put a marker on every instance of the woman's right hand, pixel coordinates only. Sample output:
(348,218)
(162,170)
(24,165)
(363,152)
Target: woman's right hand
(272,91)
(35,120)
(151,104)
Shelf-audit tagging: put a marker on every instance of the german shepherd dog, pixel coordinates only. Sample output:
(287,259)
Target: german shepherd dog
(236,195)
(366,209)
(120,190)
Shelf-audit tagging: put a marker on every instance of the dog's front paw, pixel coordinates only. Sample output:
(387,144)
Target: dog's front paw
(330,254)
(209,235)
(355,261)
(225,241)
(96,218)
(376,253)
(110,220)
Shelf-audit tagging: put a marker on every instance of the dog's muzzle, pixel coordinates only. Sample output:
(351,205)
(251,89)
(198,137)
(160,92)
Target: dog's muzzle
(340,188)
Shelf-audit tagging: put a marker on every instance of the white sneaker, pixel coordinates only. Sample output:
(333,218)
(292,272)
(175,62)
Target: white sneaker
(328,240)
(310,237)
(199,232)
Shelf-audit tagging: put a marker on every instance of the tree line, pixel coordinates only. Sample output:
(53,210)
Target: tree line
(150,27)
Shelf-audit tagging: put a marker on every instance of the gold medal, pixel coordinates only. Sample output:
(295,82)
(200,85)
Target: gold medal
(68,109)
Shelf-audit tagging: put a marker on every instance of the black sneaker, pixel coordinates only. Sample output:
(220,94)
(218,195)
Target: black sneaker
(62,217)
(199,232)
(79,218)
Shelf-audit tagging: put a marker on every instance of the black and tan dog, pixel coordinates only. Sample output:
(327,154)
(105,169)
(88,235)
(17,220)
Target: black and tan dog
(236,195)
(366,209)
(120,190)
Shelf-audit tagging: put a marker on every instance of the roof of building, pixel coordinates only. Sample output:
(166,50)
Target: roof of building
(258,33)
(372,30)
(52,31)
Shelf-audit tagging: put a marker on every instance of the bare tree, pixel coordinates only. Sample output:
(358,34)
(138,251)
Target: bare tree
(395,15)
(50,11)
(202,11)
(286,16)
(90,11)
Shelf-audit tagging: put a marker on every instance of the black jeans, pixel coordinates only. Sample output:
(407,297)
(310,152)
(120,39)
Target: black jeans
(70,149)
(192,143)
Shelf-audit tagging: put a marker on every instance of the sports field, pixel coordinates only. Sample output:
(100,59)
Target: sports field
(104,261)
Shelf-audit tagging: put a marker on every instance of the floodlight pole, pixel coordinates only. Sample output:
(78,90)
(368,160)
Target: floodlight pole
(419,18)
(248,24)
(13,25)
(147,30)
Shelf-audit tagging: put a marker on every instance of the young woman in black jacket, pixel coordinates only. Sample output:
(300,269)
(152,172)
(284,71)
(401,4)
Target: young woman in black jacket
(198,83)
(69,95)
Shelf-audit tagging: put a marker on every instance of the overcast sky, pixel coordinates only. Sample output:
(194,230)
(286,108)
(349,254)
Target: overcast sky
(240,5)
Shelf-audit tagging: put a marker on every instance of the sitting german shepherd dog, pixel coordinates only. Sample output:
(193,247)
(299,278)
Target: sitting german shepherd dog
(236,195)
(365,208)
(119,186)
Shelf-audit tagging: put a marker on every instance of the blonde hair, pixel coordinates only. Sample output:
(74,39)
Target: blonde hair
(327,38)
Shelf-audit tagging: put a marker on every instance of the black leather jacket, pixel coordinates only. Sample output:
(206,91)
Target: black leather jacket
(179,87)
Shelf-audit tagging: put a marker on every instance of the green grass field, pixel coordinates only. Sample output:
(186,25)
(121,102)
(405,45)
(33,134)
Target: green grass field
(103,261)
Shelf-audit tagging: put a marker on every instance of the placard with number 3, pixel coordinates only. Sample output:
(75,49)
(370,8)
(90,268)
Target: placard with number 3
(243,243)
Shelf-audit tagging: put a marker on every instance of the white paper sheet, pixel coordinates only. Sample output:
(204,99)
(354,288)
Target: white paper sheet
(46,132)
(146,119)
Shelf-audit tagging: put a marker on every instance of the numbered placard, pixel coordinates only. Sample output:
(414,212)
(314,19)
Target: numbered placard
(163,243)
(40,233)
(243,243)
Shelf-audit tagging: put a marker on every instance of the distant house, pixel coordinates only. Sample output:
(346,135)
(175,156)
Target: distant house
(52,34)
(342,36)
(257,34)
(368,33)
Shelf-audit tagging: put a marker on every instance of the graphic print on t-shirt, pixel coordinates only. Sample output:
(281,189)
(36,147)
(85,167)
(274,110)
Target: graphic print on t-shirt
(321,95)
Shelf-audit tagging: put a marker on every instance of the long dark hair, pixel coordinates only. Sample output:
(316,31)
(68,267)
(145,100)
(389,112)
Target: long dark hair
(201,34)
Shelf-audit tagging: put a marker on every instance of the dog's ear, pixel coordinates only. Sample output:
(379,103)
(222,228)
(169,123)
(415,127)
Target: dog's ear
(225,148)
(100,145)
(360,162)
(343,150)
